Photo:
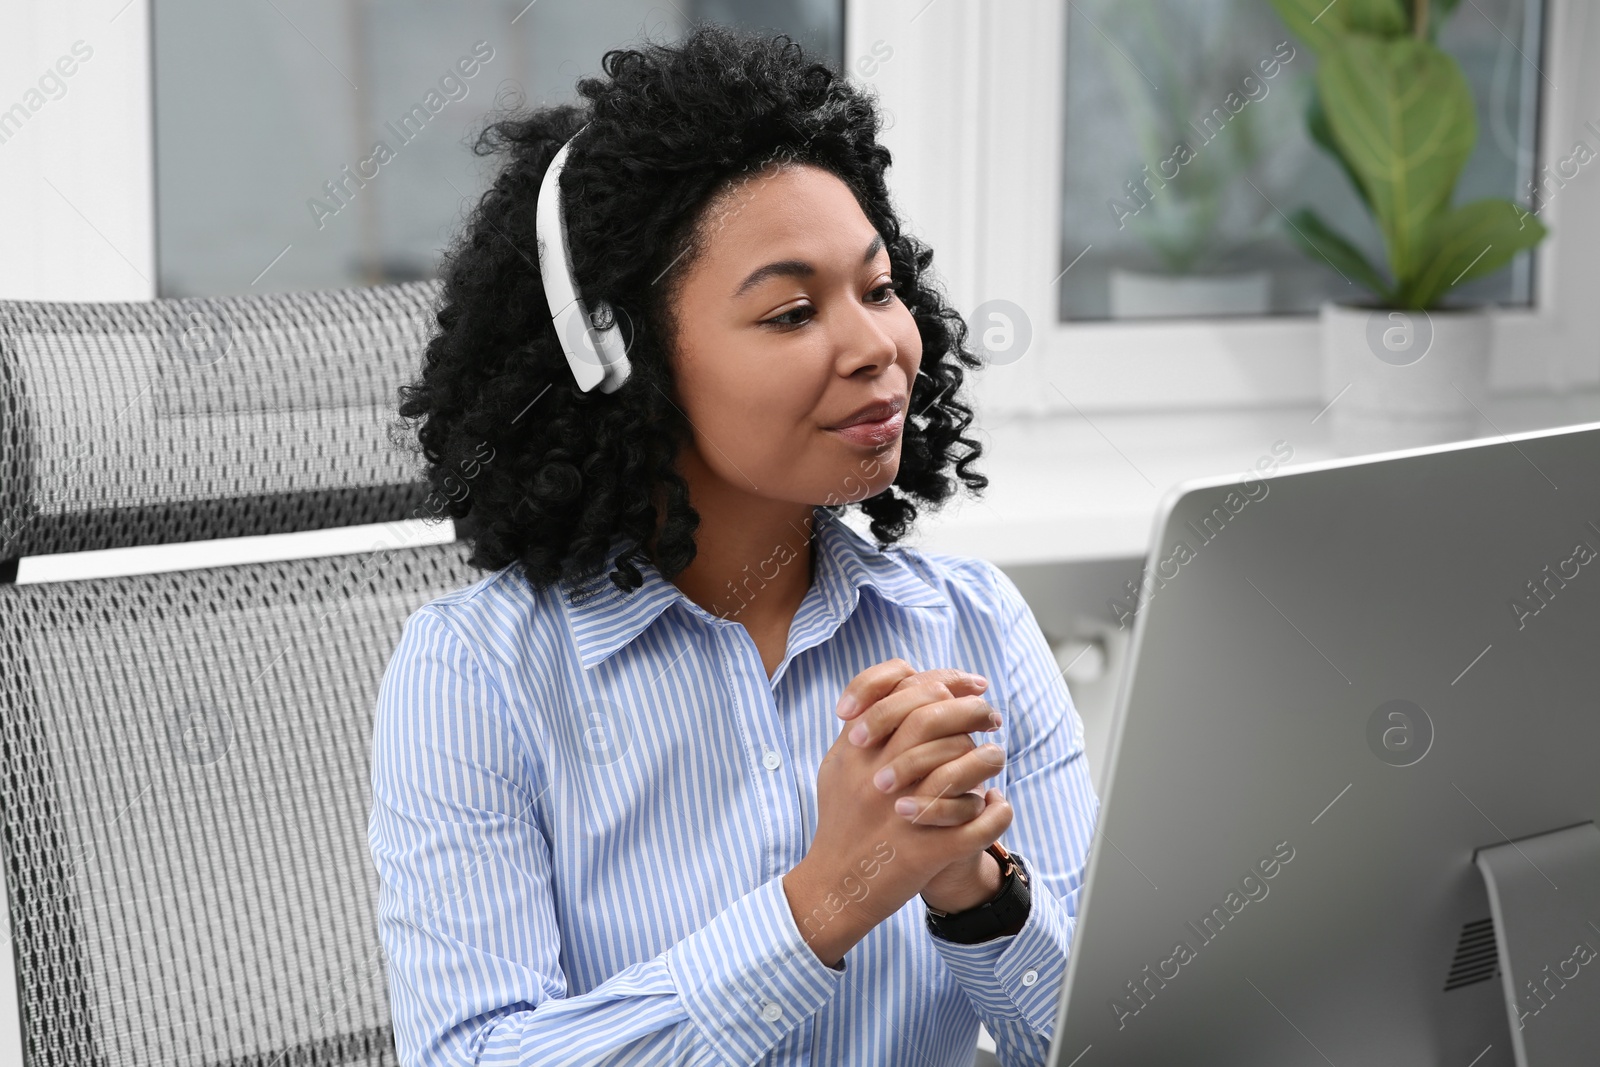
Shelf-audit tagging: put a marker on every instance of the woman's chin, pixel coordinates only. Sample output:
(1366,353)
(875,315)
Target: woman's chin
(853,486)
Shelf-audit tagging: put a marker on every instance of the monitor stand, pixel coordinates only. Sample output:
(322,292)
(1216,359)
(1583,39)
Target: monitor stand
(1544,894)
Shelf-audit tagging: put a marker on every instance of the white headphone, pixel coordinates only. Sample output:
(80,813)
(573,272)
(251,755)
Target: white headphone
(592,341)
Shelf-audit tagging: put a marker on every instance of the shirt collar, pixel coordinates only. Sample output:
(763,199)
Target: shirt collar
(604,619)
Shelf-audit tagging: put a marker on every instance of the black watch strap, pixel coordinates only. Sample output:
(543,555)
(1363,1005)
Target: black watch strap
(993,918)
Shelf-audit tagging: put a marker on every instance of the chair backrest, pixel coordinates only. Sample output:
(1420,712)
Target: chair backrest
(182,420)
(185,756)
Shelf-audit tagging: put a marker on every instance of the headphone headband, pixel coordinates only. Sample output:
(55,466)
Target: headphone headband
(592,341)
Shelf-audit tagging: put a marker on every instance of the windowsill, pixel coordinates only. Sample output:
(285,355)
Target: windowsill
(1072,488)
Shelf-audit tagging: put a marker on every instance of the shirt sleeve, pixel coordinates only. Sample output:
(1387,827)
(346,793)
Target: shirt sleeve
(466,916)
(1014,982)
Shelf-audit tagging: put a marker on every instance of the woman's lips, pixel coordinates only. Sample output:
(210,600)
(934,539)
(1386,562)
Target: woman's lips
(873,433)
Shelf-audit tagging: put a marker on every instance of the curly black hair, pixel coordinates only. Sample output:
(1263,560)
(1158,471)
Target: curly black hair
(668,134)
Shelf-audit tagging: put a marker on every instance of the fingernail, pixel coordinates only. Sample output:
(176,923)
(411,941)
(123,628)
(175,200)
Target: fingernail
(978,680)
(847,704)
(905,806)
(994,718)
(858,736)
(884,779)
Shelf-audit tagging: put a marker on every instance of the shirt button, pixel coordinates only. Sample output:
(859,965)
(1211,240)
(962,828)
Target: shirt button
(1029,977)
(771,1012)
(771,760)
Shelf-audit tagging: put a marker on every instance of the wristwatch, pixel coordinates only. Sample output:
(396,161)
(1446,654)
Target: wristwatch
(999,917)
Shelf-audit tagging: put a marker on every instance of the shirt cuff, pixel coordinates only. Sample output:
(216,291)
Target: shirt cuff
(1017,976)
(748,977)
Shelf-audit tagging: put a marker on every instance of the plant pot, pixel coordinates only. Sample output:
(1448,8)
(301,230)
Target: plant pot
(1402,379)
(1141,295)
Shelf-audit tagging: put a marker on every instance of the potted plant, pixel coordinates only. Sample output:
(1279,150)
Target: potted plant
(1396,113)
(1177,202)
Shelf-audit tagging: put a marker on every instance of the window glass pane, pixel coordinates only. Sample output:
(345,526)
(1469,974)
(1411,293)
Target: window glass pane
(1144,75)
(269,114)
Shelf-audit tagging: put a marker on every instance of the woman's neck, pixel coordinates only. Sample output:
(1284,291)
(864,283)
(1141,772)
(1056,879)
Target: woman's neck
(753,569)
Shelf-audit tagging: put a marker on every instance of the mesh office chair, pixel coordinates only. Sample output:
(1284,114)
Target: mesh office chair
(184,756)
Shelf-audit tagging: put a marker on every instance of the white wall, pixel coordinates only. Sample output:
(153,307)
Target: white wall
(76,218)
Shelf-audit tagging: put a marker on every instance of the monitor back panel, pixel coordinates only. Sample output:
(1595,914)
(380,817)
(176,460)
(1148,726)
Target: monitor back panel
(1344,680)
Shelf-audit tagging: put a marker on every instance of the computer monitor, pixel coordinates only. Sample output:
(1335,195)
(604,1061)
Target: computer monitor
(1354,771)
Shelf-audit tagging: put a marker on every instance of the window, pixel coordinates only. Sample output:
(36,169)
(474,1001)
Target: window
(980,95)
(1186,148)
(975,98)
(310,144)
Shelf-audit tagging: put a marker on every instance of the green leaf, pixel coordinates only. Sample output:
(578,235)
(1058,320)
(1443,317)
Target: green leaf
(1470,242)
(1301,18)
(1401,113)
(1317,126)
(1381,18)
(1321,25)
(1323,242)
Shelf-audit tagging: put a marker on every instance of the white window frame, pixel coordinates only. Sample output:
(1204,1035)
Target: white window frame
(974,98)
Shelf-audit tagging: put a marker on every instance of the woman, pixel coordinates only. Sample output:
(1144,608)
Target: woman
(614,820)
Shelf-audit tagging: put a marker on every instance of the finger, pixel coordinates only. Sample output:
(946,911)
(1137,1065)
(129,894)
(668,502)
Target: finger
(886,714)
(937,713)
(878,677)
(879,680)
(948,677)
(994,820)
(910,767)
(966,772)
(952,810)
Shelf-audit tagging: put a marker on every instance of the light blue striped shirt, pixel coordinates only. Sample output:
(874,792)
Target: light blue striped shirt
(582,815)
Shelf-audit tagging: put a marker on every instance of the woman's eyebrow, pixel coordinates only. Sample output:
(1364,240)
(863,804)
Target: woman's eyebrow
(796,268)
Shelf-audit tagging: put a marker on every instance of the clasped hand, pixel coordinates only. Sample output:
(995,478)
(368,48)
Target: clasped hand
(904,744)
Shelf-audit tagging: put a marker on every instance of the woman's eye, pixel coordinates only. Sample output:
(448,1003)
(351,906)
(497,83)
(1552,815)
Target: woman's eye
(888,289)
(784,320)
